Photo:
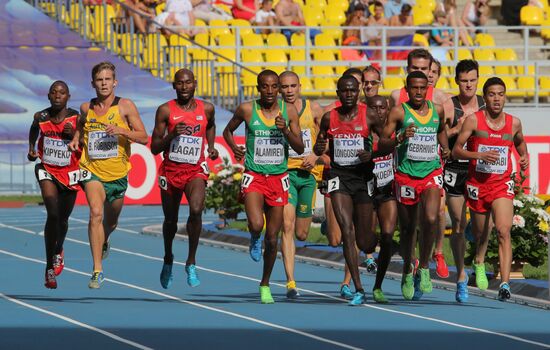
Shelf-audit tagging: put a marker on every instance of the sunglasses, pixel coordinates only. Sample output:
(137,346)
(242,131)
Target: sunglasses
(371,82)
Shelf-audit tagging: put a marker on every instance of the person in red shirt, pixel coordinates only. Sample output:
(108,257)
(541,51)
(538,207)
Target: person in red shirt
(490,135)
(184,127)
(57,174)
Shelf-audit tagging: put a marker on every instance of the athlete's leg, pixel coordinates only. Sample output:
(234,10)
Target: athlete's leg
(387,217)
(253,206)
(430,203)
(503,211)
(274,221)
(65,208)
(343,207)
(480,230)
(408,220)
(112,212)
(50,195)
(442,223)
(95,194)
(335,235)
(288,248)
(457,211)
(170,207)
(362,222)
(195,193)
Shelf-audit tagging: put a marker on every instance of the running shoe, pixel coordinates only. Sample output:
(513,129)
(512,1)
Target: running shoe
(166,276)
(324,228)
(105,250)
(425,280)
(416,263)
(50,283)
(407,286)
(265,295)
(441,268)
(192,277)
(358,299)
(58,263)
(417,292)
(345,292)
(255,248)
(504,292)
(481,278)
(96,280)
(291,290)
(461,295)
(371,265)
(379,296)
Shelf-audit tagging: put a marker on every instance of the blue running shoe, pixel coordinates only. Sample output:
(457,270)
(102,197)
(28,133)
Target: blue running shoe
(166,276)
(358,299)
(345,292)
(371,265)
(417,292)
(96,280)
(192,277)
(255,248)
(504,292)
(461,295)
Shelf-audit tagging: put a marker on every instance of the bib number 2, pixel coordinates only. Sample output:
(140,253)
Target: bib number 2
(333,184)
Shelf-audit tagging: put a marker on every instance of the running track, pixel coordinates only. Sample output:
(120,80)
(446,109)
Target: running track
(132,311)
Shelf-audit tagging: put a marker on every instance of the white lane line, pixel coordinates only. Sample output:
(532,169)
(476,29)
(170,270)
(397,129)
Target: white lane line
(117,229)
(75,322)
(206,307)
(18,229)
(403,313)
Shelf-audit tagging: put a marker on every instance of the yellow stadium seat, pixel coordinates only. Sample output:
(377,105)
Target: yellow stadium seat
(341,4)
(505,55)
(100,20)
(326,84)
(312,16)
(298,41)
(324,56)
(512,87)
(453,85)
(230,54)
(307,88)
(251,57)
(225,8)
(484,55)
(153,55)
(204,77)
(393,82)
(318,4)
(544,86)
(278,40)
(531,15)
(248,78)
(463,54)
(254,42)
(200,23)
(530,70)
(198,52)
(335,15)
(298,53)
(443,84)
(227,40)
(483,39)
(178,57)
(422,17)
(469,41)
(131,45)
(526,84)
(322,70)
(420,40)
(218,27)
(429,5)
(445,72)
(486,70)
(276,56)
(545,30)
(244,26)
(333,29)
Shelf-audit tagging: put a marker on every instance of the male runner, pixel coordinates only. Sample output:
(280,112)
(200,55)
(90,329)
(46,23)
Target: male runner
(490,135)
(108,126)
(183,129)
(271,126)
(56,126)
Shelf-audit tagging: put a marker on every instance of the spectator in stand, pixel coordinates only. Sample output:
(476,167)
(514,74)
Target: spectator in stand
(372,34)
(363,3)
(440,36)
(245,9)
(289,13)
(475,14)
(207,11)
(178,13)
(353,54)
(355,19)
(450,9)
(393,7)
(265,17)
(510,10)
(404,19)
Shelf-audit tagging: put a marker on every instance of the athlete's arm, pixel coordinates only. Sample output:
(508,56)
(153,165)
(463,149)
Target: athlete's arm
(329,107)
(322,138)
(520,144)
(74,145)
(395,118)
(137,131)
(160,140)
(235,121)
(211,130)
(34,131)
(468,128)
(440,96)
(442,133)
(394,98)
(449,116)
(292,132)
(311,160)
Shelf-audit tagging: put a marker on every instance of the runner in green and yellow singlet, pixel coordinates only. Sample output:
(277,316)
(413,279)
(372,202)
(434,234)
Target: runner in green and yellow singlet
(271,127)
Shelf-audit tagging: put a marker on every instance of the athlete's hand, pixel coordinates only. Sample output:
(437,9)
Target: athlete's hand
(112,129)
(489,156)
(409,131)
(320,145)
(280,123)
(239,152)
(212,153)
(364,156)
(74,145)
(32,155)
(309,162)
(524,162)
(180,129)
(445,153)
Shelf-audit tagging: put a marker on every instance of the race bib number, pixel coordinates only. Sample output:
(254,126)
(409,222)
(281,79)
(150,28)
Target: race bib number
(498,167)
(308,147)
(101,145)
(246,180)
(269,150)
(423,147)
(383,170)
(286,183)
(44,175)
(407,192)
(346,149)
(333,184)
(205,168)
(56,152)
(510,186)
(438,181)
(473,192)
(185,149)
(78,175)
(450,178)
(370,187)
(163,184)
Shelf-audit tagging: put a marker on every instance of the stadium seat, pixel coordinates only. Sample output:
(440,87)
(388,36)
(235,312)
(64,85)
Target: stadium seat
(199,53)
(429,5)
(334,29)
(276,56)
(229,53)
(341,4)
(481,81)
(218,27)
(326,84)
(255,43)
(463,54)
(298,53)
(486,70)
(322,71)
(318,4)
(484,40)
(278,41)
(420,40)
(335,14)
(312,16)
(511,87)
(545,31)
(526,84)
(250,56)
(307,88)
(484,55)
(153,55)
(422,17)
(391,83)
(244,26)
(544,86)
(227,40)
(531,15)
(443,84)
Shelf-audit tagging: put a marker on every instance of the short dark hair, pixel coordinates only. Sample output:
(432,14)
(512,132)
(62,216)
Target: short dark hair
(465,66)
(419,53)
(493,81)
(416,75)
(378,4)
(351,71)
(406,8)
(59,82)
(265,73)
(344,78)
(102,66)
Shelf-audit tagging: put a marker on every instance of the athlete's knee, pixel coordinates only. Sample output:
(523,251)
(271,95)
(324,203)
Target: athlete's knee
(53,216)
(386,238)
(110,226)
(301,234)
(270,242)
(196,209)
(96,215)
(170,225)
(431,218)
(503,231)
(255,226)
(333,241)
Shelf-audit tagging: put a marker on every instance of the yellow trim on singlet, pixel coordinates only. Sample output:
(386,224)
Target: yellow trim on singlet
(424,119)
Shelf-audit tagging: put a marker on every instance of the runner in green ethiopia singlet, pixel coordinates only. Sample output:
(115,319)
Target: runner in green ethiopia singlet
(266,146)
(419,156)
